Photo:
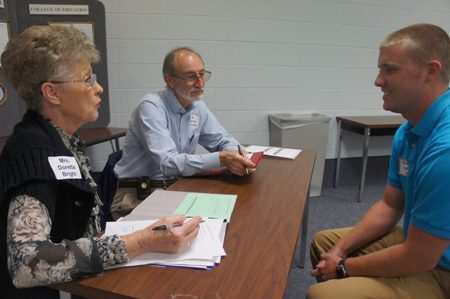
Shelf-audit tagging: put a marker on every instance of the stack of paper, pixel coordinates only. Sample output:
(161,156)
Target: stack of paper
(203,252)
(280,152)
(206,250)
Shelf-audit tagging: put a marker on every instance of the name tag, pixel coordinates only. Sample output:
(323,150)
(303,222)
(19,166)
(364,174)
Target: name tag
(403,167)
(193,121)
(64,167)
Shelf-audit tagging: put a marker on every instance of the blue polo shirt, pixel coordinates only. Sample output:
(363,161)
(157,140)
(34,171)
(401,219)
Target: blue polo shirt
(420,167)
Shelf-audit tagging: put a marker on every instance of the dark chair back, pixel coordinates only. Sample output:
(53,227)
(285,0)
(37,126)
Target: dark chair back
(107,186)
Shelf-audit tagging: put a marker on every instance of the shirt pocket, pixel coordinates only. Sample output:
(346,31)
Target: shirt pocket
(192,143)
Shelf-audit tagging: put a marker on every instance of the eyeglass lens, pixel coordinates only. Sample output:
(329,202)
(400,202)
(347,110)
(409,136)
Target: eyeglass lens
(205,76)
(92,80)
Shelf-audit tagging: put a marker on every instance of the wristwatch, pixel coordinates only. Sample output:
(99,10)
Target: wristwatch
(341,271)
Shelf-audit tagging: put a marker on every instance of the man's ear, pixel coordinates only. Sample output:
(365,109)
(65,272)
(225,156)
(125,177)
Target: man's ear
(169,81)
(50,93)
(434,68)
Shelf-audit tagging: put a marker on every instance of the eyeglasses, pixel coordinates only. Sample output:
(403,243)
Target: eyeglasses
(192,78)
(91,80)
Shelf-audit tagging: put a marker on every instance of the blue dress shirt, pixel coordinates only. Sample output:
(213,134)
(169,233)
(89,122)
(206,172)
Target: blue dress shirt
(163,136)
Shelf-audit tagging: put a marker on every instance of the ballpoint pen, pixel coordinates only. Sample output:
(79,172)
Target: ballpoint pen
(167,226)
(241,152)
(170,225)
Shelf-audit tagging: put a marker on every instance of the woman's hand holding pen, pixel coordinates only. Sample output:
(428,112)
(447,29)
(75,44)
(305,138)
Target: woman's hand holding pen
(171,240)
(236,163)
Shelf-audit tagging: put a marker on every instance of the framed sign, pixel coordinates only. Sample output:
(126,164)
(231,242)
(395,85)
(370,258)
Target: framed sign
(58,9)
(4,36)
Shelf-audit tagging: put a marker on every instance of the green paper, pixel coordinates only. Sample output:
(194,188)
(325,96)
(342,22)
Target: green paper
(219,206)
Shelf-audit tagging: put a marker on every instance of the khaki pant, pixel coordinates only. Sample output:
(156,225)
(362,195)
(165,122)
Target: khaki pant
(434,284)
(125,200)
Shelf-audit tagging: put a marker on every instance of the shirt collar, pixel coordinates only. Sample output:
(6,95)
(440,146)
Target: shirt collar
(174,104)
(431,116)
(72,142)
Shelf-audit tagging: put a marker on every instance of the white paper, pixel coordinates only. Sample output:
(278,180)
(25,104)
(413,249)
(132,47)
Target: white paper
(4,36)
(281,152)
(201,253)
(58,9)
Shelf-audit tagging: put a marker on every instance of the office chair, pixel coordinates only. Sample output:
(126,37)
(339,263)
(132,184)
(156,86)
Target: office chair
(107,186)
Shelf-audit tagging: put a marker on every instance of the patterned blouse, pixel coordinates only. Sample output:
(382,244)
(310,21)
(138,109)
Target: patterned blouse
(33,260)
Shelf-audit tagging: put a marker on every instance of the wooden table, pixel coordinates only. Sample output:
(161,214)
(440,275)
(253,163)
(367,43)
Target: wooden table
(92,136)
(260,240)
(366,126)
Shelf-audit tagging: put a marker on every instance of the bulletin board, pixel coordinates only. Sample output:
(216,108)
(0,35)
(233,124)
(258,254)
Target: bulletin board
(85,15)
(11,109)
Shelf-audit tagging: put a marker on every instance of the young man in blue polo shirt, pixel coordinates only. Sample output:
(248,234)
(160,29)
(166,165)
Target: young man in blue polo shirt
(377,258)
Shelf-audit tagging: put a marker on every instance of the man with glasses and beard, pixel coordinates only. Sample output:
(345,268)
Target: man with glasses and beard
(164,131)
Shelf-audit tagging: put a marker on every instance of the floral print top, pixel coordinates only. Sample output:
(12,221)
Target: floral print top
(33,260)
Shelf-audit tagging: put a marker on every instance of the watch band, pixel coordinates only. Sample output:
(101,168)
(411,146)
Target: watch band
(341,270)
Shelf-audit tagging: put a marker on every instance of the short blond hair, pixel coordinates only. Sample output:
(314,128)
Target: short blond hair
(423,42)
(41,54)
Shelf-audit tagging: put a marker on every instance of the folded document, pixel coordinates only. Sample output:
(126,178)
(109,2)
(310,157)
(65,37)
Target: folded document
(280,152)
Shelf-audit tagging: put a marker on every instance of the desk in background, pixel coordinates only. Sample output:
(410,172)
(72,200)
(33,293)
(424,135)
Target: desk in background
(260,240)
(98,135)
(92,136)
(366,126)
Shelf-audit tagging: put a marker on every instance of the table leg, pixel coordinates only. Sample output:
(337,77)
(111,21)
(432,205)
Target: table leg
(302,253)
(338,158)
(364,164)
(117,144)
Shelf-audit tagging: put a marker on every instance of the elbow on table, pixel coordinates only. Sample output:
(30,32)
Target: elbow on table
(22,280)
(23,277)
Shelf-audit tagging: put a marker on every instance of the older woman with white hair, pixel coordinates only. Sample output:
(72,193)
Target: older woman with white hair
(49,223)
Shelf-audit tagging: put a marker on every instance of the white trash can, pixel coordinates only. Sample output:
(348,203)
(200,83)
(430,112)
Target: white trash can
(307,130)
